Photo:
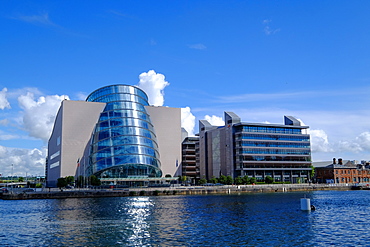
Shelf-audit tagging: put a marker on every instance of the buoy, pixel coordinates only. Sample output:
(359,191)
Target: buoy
(305,204)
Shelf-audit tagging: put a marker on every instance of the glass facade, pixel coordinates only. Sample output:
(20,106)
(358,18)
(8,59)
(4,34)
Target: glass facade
(123,143)
(282,152)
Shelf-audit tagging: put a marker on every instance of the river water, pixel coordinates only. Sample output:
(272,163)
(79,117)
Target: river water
(341,218)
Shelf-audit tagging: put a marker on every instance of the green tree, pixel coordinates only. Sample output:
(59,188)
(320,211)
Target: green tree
(246,180)
(70,179)
(252,180)
(202,181)
(222,179)
(213,180)
(61,183)
(312,172)
(184,179)
(94,181)
(229,180)
(21,179)
(239,180)
(269,180)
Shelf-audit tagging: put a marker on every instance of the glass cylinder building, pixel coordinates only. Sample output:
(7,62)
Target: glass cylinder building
(123,143)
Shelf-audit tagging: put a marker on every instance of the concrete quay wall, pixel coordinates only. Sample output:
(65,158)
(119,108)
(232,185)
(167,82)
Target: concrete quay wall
(162,191)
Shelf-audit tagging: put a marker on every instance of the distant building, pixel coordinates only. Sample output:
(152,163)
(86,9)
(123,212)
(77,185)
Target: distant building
(343,172)
(116,136)
(257,150)
(190,151)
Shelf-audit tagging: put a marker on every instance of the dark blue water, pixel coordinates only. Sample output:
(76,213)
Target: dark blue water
(273,219)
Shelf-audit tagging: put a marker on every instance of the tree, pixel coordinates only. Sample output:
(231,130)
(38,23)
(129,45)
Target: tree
(95,181)
(202,181)
(222,179)
(252,180)
(312,172)
(213,180)
(21,179)
(70,179)
(239,180)
(229,180)
(246,180)
(269,180)
(61,183)
(184,179)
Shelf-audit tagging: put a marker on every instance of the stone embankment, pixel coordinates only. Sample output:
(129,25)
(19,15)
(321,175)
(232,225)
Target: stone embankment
(159,191)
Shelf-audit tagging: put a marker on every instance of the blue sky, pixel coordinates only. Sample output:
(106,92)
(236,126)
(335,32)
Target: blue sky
(260,59)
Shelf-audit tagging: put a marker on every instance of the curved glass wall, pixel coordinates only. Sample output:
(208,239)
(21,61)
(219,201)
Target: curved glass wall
(123,143)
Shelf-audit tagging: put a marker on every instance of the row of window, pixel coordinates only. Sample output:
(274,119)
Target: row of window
(272,144)
(130,170)
(126,159)
(114,89)
(269,166)
(123,113)
(123,150)
(273,151)
(119,105)
(121,97)
(302,138)
(264,129)
(272,158)
(122,140)
(124,122)
(118,131)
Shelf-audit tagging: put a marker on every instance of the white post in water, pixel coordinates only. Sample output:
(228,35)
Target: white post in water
(305,204)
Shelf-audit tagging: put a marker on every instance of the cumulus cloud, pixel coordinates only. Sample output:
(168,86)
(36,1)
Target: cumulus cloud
(214,120)
(4,103)
(39,115)
(187,120)
(319,141)
(153,85)
(360,144)
(24,161)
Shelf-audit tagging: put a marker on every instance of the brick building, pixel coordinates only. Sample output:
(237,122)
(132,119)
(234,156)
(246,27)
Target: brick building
(343,172)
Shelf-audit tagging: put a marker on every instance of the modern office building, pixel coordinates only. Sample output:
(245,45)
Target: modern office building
(112,136)
(255,150)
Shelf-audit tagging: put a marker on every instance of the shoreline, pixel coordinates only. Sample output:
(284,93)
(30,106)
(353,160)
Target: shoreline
(164,191)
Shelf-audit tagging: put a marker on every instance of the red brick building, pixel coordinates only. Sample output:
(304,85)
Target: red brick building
(346,173)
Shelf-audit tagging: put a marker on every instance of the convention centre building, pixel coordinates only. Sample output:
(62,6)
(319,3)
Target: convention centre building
(116,136)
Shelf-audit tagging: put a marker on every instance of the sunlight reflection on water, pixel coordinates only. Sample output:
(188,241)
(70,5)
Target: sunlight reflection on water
(271,219)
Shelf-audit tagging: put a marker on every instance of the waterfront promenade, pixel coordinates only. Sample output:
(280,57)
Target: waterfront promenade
(162,191)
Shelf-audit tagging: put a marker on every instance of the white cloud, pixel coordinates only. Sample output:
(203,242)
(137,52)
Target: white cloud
(319,141)
(153,85)
(30,161)
(39,115)
(267,29)
(81,96)
(360,144)
(214,120)
(187,120)
(42,19)
(4,103)
(197,46)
